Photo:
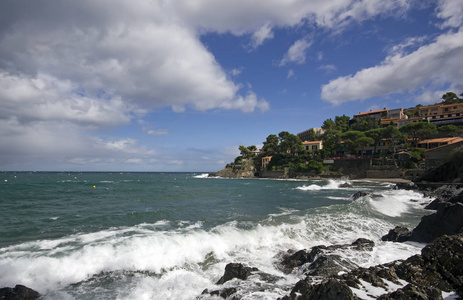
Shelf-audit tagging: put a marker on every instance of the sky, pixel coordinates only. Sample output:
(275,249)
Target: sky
(178,85)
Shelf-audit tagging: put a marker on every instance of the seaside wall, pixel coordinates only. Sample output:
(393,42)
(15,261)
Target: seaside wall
(355,168)
(273,174)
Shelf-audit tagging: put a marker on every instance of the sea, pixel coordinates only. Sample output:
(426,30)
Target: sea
(73,235)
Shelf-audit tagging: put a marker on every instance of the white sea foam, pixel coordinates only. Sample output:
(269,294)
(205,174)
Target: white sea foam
(204,175)
(330,185)
(188,256)
(396,203)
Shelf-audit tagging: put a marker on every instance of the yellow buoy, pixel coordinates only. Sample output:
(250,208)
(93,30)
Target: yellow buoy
(94,187)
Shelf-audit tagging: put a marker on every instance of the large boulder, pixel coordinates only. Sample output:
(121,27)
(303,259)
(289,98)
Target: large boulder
(398,234)
(322,260)
(445,256)
(411,291)
(447,220)
(329,265)
(331,289)
(236,270)
(19,292)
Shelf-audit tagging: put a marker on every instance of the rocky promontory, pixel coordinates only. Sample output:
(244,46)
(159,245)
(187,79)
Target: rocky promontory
(244,169)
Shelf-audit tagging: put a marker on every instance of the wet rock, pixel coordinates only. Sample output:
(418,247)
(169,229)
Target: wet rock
(345,185)
(224,293)
(405,186)
(236,270)
(445,256)
(363,244)
(447,220)
(329,265)
(294,260)
(19,292)
(398,234)
(331,289)
(411,291)
(359,194)
(324,263)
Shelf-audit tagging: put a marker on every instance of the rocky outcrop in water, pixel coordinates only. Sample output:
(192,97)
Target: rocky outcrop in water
(323,260)
(398,234)
(438,268)
(245,169)
(236,270)
(19,292)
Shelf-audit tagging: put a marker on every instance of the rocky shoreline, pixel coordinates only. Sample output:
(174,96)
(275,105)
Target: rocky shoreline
(329,276)
(438,270)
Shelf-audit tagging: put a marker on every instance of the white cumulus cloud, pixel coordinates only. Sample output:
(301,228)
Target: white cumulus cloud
(296,53)
(438,63)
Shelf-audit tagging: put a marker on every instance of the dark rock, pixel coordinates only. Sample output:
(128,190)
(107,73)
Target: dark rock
(435,204)
(445,256)
(331,289)
(224,293)
(363,244)
(405,186)
(316,252)
(236,270)
(345,185)
(372,275)
(295,260)
(398,234)
(359,194)
(19,292)
(322,260)
(411,291)
(447,220)
(328,265)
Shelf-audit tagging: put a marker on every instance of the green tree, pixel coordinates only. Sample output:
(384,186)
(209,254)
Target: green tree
(449,131)
(329,125)
(394,135)
(377,135)
(289,143)
(271,145)
(418,131)
(342,123)
(244,151)
(364,124)
(331,139)
(450,98)
(349,138)
(363,142)
(312,135)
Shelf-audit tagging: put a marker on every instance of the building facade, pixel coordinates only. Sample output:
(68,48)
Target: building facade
(306,134)
(441,114)
(310,146)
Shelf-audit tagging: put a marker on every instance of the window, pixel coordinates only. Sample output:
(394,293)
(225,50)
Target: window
(314,147)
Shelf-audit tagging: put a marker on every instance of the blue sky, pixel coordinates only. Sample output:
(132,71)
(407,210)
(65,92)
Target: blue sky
(178,85)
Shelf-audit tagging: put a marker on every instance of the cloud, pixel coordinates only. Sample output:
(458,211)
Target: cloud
(290,74)
(296,53)
(262,34)
(155,131)
(452,13)
(236,71)
(438,63)
(70,71)
(328,68)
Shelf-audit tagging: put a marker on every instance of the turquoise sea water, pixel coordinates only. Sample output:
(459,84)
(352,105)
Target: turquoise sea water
(170,235)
